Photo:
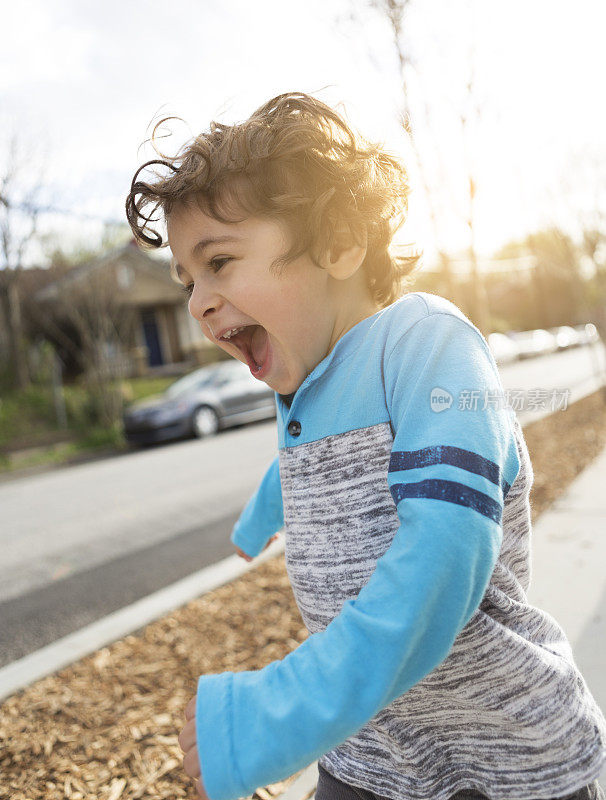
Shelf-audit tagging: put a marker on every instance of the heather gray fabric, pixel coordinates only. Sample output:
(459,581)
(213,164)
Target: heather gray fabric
(330,788)
(507,713)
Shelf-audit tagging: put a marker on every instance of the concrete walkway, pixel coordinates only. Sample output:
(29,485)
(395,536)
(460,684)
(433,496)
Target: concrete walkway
(568,577)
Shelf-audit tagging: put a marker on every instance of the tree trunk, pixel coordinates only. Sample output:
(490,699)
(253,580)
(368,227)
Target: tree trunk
(16,338)
(12,320)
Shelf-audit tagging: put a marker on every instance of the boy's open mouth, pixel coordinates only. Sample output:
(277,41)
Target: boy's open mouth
(253,341)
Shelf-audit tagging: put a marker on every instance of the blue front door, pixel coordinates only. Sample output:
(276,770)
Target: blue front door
(152,337)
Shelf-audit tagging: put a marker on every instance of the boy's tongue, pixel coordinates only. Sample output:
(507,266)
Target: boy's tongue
(259,343)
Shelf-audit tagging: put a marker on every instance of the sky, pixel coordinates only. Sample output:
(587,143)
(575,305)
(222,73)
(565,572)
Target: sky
(81,81)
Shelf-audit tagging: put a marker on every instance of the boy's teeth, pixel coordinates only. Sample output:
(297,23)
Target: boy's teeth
(253,344)
(231,332)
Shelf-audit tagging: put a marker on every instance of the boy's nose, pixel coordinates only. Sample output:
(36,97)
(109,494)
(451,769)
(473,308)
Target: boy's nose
(203,303)
(205,309)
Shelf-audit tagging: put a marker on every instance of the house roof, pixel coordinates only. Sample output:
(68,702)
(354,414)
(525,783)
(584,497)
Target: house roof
(129,257)
(32,279)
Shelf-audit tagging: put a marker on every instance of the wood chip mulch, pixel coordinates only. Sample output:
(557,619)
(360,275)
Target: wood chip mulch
(562,445)
(106,727)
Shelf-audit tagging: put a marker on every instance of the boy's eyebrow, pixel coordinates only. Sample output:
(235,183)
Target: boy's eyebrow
(202,245)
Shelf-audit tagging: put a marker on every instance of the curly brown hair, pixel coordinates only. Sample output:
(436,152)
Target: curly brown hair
(297,160)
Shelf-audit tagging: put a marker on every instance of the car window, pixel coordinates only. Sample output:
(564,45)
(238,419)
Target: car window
(233,372)
(201,377)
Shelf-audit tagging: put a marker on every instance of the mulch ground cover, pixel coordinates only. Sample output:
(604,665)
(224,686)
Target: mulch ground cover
(106,727)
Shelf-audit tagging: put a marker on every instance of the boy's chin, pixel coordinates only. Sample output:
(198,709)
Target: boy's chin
(276,385)
(271,384)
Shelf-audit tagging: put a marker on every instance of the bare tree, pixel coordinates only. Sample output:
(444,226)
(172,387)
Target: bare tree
(394,13)
(88,301)
(592,220)
(580,193)
(19,215)
(479,310)
(577,193)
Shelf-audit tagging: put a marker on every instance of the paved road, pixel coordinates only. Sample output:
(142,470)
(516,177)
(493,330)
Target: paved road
(81,542)
(67,520)
(574,369)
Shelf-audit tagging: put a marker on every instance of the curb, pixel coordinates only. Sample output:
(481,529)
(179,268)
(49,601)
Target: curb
(87,640)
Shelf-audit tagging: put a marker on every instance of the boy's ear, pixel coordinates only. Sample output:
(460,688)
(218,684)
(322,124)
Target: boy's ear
(346,252)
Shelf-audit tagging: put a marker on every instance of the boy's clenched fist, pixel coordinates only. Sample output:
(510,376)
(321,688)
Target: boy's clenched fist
(187,743)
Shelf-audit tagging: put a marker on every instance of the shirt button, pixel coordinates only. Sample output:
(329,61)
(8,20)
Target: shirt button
(294,427)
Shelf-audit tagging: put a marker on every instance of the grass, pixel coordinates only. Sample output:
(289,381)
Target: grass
(55,454)
(30,433)
(138,388)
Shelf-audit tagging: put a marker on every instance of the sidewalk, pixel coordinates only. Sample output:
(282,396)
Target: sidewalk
(568,579)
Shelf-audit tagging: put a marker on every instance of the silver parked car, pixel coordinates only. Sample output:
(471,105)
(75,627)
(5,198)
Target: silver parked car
(588,333)
(200,404)
(534,343)
(566,336)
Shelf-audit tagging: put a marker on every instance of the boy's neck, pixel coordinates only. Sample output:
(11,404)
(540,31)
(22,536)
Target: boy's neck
(364,312)
(287,398)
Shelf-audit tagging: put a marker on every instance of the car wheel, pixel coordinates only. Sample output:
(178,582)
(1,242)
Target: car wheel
(205,422)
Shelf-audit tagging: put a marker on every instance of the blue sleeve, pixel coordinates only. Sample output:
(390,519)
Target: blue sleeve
(448,472)
(263,515)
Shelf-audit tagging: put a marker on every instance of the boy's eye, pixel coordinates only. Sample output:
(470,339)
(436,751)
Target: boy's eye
(216,264)
(220,261)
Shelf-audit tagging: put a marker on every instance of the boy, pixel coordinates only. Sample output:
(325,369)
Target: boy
(401,482)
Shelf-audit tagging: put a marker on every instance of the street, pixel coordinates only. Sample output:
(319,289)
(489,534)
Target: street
(81,542)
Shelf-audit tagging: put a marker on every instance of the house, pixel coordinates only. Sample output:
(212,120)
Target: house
(163,337)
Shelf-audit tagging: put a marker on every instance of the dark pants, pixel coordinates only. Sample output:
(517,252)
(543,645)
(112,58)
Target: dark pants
(329,788)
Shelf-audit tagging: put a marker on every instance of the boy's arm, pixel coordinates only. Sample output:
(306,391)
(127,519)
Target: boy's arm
(263,514)
(448,474)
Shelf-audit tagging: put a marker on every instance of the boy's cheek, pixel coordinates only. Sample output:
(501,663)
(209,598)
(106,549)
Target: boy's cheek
(206,331)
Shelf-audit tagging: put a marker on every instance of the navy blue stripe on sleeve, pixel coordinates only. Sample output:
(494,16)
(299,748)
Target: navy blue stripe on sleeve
(445,454)
(451,492)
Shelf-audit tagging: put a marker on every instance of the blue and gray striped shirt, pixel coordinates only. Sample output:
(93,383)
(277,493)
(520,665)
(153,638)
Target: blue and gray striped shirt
(402,484)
